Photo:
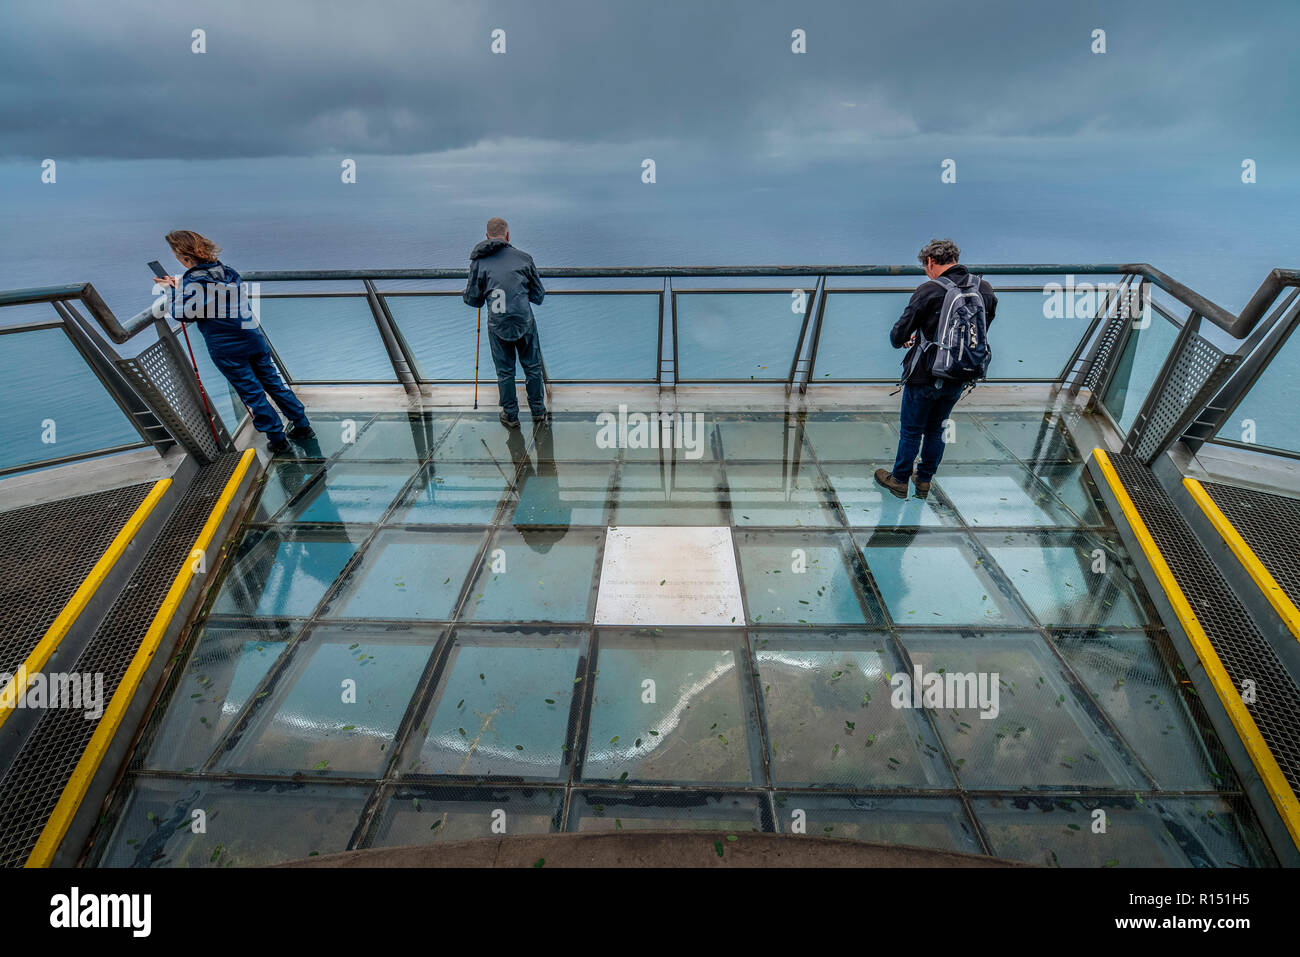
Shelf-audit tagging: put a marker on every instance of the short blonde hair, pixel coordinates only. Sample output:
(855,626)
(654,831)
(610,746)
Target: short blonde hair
(497,228)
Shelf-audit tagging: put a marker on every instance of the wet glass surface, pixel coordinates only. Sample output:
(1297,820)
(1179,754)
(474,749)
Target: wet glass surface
(446,569)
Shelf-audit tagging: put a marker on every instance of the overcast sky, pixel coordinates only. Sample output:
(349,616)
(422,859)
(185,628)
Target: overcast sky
(309,78)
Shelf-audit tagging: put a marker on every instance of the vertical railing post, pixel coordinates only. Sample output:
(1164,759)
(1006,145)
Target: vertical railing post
(392,340)
(820,312)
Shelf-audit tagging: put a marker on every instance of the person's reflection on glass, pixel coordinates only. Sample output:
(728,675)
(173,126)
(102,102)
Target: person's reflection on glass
(542,517)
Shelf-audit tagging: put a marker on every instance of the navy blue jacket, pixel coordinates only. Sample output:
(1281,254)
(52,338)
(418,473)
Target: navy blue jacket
(495,264)
(211,294)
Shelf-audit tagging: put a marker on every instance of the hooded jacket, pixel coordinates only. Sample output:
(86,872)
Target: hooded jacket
(213,295)
(505,279)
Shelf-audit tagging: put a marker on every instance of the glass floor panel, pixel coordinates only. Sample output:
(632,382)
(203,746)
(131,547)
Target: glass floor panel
(935,579)
(778,495)
(407,574)
(675,494)
(284,572)
(670,709)
(353,493)
(1032,728)
(829,721)
(335,707)
(1070,579)
(1031,437)
(939,823)
(803,578)
(453,493)
(401,648)
(414,815)
(500,709)
(246,823)
(405,437)
(1001,496)
(1150,832)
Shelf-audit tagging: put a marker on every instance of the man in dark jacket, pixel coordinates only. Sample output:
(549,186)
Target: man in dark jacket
(506,280)
(927,400)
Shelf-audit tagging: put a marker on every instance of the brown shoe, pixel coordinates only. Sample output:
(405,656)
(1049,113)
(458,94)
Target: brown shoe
(922,488)
(886,480)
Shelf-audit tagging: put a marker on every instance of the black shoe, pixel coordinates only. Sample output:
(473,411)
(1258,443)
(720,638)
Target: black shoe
(301,433)
(541,418)
(922,488)
(508,422)
(275,448)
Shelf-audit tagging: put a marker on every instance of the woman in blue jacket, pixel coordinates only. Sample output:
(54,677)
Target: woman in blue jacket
(210,293)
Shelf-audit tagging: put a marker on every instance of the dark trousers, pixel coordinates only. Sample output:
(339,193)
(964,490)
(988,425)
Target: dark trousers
(254,376)
(528,351)
(925,407)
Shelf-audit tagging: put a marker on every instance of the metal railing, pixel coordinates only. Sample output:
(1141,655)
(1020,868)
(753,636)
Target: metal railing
(1196,388)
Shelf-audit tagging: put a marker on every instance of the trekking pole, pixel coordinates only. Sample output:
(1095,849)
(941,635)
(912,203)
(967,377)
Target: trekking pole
(478,325)
(203,393)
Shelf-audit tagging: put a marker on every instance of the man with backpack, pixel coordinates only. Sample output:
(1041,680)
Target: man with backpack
(945,329)
(506,280)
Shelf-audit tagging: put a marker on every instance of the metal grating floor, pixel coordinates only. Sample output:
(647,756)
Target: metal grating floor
(32,785)
(1270,525)
(46,551)
(1244,652)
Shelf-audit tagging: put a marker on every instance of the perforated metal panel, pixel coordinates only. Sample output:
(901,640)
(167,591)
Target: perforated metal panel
(33,783)
(1110,335)
(1198,372)
(1244,652)
(1270,525)
(168,386)
(46,551)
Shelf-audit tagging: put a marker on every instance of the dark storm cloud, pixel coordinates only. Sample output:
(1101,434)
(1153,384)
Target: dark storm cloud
(85,79)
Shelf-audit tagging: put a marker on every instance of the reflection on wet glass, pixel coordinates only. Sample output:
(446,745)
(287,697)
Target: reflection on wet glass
(284,574)
(1041,730)
(407,437)
(453,493)
(501,709)
(1001,496)
(799,578)
(594,811)
(694,728)
(408,574)
(250,823)
(830,721)
(911,821)
(414,815)
(336,708)
(1031,437)
(680,494)
(223,672)
(347,493)
(1069,579)
(1140,832)
(536,575)
(928,580)
(778,494)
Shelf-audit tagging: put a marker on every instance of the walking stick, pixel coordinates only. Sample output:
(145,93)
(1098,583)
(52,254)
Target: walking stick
(478,324)
(202,391)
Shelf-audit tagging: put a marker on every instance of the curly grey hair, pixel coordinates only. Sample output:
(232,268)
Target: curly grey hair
(942,251)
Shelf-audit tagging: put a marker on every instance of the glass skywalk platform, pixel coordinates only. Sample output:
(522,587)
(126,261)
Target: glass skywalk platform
(422,635)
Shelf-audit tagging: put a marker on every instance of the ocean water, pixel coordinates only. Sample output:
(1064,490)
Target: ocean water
(102,221)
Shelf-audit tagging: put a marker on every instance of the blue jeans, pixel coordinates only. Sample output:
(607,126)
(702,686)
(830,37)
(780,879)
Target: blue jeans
(529,353)
(253,374)
(925,408)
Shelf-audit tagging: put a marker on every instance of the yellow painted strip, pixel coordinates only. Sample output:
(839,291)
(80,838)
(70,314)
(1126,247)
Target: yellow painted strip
(1285,608)
(55,634)
(1283,797)
(61,818)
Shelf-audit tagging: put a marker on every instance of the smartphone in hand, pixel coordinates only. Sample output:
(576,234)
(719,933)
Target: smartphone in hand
(158,270)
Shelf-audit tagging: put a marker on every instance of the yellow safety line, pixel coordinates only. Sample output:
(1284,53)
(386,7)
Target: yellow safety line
(57,631)
(1285,608)
(61,818)
(1278,788)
